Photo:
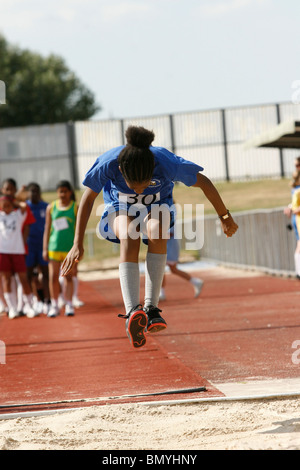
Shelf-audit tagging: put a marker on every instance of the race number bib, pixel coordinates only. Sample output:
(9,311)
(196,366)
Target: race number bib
(143,199)
(60,224)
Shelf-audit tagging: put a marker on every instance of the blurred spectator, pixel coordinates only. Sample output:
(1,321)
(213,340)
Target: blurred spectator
(36,265)
(12,254)
(9,188)
(76,302)
(173,250)
(293,212)
(58,240)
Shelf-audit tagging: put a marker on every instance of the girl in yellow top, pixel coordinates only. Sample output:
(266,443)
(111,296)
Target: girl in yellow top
(295,214)
(58,240)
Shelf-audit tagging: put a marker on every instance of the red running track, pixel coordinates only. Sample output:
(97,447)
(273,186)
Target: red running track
(239,328)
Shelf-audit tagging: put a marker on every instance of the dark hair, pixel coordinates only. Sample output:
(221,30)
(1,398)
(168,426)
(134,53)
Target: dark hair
(10,181)
(136,160)
(66,184)
(33,186)
(295,176)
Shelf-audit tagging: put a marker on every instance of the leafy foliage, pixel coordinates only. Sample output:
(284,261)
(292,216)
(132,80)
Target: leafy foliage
(41,90)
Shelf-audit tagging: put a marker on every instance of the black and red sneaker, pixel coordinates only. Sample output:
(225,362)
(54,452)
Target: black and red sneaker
(136,324)
(155,320)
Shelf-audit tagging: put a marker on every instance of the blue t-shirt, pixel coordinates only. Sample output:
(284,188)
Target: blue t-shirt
(105,174)
(36,232)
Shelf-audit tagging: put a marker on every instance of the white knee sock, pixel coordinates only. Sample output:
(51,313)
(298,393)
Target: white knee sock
(75,286)
(129,274)
(28,304)
(154,273)
(18,289)
(10,300)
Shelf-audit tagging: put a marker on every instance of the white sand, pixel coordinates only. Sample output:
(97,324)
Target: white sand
(258,424)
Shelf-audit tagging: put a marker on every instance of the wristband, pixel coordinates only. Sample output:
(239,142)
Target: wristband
(225,216)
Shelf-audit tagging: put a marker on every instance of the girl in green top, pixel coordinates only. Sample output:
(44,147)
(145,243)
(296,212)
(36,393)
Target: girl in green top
(58,240)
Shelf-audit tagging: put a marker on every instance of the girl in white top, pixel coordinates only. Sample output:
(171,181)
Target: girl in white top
(12,254)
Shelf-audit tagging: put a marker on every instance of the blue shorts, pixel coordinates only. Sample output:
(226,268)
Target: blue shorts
(35,258)
(295,227)
(173,250)
(105,226)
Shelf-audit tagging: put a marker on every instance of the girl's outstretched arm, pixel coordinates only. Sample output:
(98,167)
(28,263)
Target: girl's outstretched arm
(228,225)
(83,215)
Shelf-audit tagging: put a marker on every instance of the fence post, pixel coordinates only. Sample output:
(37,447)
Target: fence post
(172,135)
(122,132)
(2,92)
(71,138)
(281,162)
(225,145)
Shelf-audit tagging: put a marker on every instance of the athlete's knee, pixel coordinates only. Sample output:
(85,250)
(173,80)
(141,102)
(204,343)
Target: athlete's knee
(157,230)
(158,223)
(173,268)
(69,278)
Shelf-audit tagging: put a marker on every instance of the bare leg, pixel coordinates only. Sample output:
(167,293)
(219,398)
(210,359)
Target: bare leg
(54,287)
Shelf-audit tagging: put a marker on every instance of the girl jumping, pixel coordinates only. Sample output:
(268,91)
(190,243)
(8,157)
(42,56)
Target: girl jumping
(136,180)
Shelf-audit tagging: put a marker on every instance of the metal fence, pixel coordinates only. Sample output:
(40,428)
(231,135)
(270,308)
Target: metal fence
(212,138)
(263,241)
(36,153)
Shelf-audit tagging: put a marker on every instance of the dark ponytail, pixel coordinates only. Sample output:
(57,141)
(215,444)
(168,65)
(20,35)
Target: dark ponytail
(136,160)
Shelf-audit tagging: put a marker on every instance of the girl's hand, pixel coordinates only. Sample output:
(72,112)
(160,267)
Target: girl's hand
(229,226)
(288,211)
(45,255)
(22,194)
(20,205)
(74,256)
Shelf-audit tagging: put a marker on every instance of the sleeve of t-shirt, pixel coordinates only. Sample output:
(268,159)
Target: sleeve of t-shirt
(187,172)
(22,216)
(180,169)
(102,171)
(29,219)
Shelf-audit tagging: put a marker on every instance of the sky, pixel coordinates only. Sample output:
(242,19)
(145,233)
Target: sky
(153,57)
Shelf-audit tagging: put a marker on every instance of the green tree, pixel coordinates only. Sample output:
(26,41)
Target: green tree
(41,90)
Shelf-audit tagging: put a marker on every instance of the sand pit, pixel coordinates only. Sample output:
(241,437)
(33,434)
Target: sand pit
(252,424)
(247,425)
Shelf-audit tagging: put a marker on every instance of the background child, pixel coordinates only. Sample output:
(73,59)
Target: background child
(76,302)
(293,212)
(173,250)
(295,206)
(58,240)
(12,254)
(35,263)
(9,188)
